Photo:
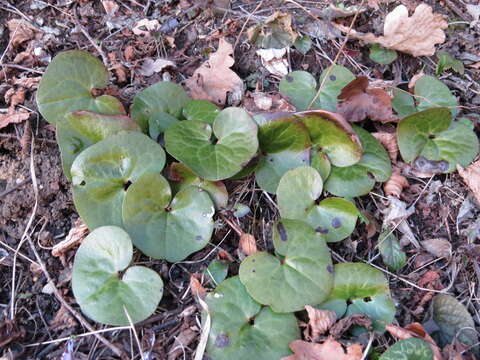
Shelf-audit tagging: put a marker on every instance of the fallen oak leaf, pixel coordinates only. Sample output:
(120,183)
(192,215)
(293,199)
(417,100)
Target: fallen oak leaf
(320,321)
(471,177)
(416,35)
(214,80)
(330,349)
(358,102)
(395,184)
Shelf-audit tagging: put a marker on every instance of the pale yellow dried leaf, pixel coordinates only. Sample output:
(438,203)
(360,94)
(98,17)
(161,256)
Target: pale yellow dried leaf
(247,244)
(438,247)
(471,177)
(214,80)
(416,35)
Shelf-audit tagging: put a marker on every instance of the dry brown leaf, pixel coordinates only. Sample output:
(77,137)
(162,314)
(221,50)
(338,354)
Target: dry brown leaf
(373,226)
(247,244)
(358,102)
(416,35)
(438,247)
(15,96)
(111,7)
(75,236)
(63,320)
(214,80)
(150,66)
(329,350)
(471,177)
(28,83)
(395,184)
(20,31)
(145,27)
(389,142)
(196,286)
(415,330)
(181,342)
(13,118)
(345,323)
(320,321)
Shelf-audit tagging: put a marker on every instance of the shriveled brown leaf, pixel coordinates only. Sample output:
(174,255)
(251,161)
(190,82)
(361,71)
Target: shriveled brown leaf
(75,236)
(13,118)
(358,102)
(416,35)
(10,332)
(415,330)
(247,244)
(329,350)
(320,321)
(257,101)
(395,184)
(28,83)
(196,286)
(275,32)
(471,177)
(63,320)
(373,226)
(344,324)
(184,339)
(214,80)
(20,31)
(110,6)
(438,247)
(150,66)
(15,96)
(389,142)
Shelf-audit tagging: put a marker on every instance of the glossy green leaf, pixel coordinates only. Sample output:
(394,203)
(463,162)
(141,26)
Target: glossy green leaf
(403,103)
(103,171)
(409,349)
(431,134)
(166,228)
(158,124)
(301,87)
(304,275)
(433,93)
(365,290)
(243,329)
(201,110)
(233,144)
(334,136)
(104,284)
(81,129)
(359,179)
(217,271)
(319,161)
(381,55)
(159,104)
(286,133)
(68,83)
(272,167)
(453,321)
(181,176)
(391,251)
(297,194)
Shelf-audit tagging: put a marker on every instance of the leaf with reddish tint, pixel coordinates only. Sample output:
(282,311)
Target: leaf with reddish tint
(300,278)
(358,102)
(243,329)
(328,350)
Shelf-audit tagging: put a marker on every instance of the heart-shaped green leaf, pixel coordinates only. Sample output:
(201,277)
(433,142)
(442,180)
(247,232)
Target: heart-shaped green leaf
(217,271)
(160,104)
(433,93)
(235,142)
(332,134)
(98,288)
(409,349)
(302,277)
(319,161)
(287,133)
(243,329)
(102,173)
(181,176)
(365,290)
(81,129)
(359,179)
(381,55)
(166,228)
(432,135)
(69,84)
(297,194)
(453,321)
(403,103)
(201,110)
(300,87)
(272,167)
(391,251)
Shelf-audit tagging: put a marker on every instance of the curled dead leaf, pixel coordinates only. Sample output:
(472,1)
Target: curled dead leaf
(275,32)
(75,236)
(184,339)
(395,184)
(196,287)
(247,244)
(471,177)
(345,323)
(13,118)
(145,27)
(438,247)
(416,35)
(320,321)
(414,79)
(358,102)
(20,31)
(214,80)
(274,61)
(389,142)
(329,350)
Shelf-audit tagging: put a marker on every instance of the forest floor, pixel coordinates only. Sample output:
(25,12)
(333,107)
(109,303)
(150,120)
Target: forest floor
(188,32)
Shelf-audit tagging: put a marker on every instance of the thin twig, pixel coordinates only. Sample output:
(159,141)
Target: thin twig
(245,24)
(132,328)
(89,38)
(15,187)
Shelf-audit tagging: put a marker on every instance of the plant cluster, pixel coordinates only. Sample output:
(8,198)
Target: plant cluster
(126,196)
